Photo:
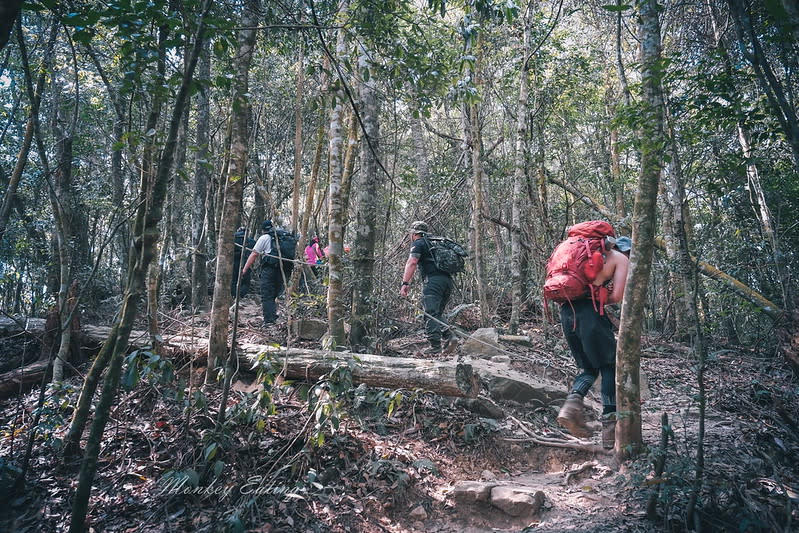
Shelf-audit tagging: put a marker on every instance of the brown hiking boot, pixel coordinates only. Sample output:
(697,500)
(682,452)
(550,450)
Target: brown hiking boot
(609,431)
(572,416)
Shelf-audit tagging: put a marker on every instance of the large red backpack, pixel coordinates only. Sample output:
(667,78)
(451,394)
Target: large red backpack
(576,262)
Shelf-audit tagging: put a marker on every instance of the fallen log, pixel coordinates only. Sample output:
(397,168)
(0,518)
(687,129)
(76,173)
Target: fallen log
(444,377)
(448,378)
(21,379)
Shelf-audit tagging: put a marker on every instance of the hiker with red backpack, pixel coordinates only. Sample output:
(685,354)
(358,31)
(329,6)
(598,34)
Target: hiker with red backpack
(585,273)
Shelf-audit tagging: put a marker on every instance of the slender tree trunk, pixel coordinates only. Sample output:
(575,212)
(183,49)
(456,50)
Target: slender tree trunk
(628,356)
(519,176)
(202,175)
(625,89)
(422,158)
(116,171)
(616,180)
(475,143)
(118,191)
(234,187)
(298,104)
(369,185)
(335,294)
(541,179)
(61,200)
(692,323)
(681,276)
(350,155)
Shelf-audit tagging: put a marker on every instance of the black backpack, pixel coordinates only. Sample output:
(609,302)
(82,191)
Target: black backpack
(448,255)
(284,246)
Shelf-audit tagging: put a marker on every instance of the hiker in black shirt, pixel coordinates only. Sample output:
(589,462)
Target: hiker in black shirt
(436,291)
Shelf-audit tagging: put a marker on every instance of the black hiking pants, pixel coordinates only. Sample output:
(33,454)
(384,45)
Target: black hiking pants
(435,296)
(271,286)
(593,345)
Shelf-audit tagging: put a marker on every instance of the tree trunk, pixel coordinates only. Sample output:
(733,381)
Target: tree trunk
(234,187)
(298,100)
(420,152)
(22,379)
(202,175)
(475,143)
(369,185)
(541,180)
(116,171)
(350,155)
(335,295)
(615,166)
(149,213)
(62,202)
(681,276)
(616,180)
(628,356)
(519,175)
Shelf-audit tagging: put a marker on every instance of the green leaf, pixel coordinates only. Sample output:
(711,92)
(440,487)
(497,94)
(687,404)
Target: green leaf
(131,376)
(210,451)
(616,8)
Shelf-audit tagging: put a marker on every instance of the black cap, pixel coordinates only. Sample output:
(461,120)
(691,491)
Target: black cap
(267,224)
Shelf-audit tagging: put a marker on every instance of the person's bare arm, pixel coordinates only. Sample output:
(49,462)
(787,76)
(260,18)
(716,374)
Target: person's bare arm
(250,261)
(619,276)
(407,275)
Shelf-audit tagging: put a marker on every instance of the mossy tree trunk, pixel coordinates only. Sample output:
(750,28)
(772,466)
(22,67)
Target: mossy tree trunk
(337,209)
(233,188)
(369,184)
(652,142)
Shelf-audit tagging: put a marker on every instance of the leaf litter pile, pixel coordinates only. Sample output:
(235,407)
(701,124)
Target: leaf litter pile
(330,456)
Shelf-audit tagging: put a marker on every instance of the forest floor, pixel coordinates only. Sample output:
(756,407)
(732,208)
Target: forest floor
(372,464)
